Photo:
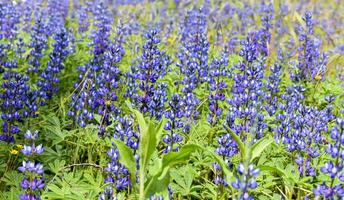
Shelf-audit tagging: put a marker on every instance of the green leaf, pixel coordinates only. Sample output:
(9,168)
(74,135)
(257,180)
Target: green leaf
(157,185)
(148,145)
(57,192)
(141,121)
(161,178)
(281,172)
(172,158)
(12,178)
(159,128)
(276,170)
(260,146)
(148,141)
(127,158)
(56,166)
(183,178)
(98,118)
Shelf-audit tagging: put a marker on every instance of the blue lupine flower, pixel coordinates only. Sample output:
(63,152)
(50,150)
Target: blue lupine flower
(272,87)
(291,101)
(155,197)
(334,167)
(30,150)
(83,20)
(265,35)
(218,175)
(228,147)
(193,60)
(20,48)
(124,131)
(301,128)
(98,80)
(36,184)
(107,194)
(13,100)
(50,80)
(17,99)
(34,173)
(245,181)
(58,11)
(311,62)
(32,167)
(217,83)
(247,99)
(145,90)
(38,44)
(193,55)
(9,20)
(29,197)
(247,92)
(118,174)
(175,115)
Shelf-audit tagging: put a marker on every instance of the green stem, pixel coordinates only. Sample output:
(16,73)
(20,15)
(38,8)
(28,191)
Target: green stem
(142,183)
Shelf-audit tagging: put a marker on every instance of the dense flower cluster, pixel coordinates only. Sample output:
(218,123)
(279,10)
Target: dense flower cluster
(193,55)
(50,80)
(175,125)
(58,10)
(9,20)
(34,180)
(145,90)
(247,93)
(38,44)
(83,23)
(311,62)
(218,74)
(14,101)
(98,80)
(245,181)
(247,99)
(334,167)
(193,59)
(301,128)
(272,89)
(118,174)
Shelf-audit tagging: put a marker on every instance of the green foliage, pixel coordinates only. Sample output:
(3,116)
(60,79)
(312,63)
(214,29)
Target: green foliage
(84,184)
(160,180)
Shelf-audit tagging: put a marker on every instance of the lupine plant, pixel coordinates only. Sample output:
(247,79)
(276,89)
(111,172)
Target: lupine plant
(98,80)
(38,45)
(193,58)
(14,100)
(218,75)
(49,85)
(312,63)
(334,167)
(245,181)
(34,180)
(175,114)
(146,92)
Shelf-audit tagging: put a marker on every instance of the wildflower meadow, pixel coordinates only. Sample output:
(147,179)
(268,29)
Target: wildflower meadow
(171,99)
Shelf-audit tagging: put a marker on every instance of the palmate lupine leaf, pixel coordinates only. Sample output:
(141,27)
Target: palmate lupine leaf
(161,179)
